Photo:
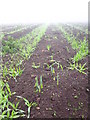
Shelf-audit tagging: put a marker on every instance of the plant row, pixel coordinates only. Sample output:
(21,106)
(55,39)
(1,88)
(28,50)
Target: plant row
(81,48)
(18,51)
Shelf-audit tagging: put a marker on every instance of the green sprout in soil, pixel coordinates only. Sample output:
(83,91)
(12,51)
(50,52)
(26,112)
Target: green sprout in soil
(77,66)
(48,47)
(8,109)
(57,79)
(61,67)
(41,84)
(35,66)
(29,105)
(14,72)
(52,70)
(37,86)
(5,71)
(51,57)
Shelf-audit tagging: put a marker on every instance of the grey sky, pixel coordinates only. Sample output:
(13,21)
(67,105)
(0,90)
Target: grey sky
(27,11)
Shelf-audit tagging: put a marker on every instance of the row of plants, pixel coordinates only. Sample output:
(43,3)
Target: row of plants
(17,30)
(81,48)
(78,33)
(17,51)
(10,29)
(80,27)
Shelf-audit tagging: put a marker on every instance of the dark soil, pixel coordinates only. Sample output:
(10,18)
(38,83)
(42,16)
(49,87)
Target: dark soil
(69,98)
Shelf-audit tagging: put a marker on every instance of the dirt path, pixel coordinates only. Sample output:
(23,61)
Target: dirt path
(69,98)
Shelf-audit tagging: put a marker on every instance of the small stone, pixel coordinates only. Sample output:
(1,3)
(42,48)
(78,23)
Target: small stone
(75,96)
(46,108)
(33,76)
(87,90)
(38,108)
(74,90)
(38,99)
(68,109)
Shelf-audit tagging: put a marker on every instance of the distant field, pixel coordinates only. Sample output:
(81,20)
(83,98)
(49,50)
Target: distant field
(44,71)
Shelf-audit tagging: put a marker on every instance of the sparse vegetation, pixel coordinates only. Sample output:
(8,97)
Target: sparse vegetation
(45,72)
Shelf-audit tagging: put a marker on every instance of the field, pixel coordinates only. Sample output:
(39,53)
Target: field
(44,71)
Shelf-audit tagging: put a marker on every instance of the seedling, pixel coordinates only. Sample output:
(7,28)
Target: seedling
(28,104)
(48,47)
(46,65)
(61,67)
(57,79)
(51,57)
(78,67)
(37,86)
(52,70)
(41,84)
(9,110)
(5,71)
(56,63)
(35,66)
(15,72)
(81,68)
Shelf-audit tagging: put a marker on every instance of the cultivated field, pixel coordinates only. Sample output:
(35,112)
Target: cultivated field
(44,71)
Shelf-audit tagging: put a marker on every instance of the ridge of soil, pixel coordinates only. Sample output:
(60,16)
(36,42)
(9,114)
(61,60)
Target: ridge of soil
(55,101)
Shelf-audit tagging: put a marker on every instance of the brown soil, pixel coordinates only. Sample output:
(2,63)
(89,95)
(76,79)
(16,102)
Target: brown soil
(69,98)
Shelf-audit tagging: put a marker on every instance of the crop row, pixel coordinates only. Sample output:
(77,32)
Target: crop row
(15,31)
(79,34)
(17,51)
(81,48)
(80,27)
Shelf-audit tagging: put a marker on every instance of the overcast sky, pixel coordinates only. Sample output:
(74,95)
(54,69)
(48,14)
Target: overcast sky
(28,11)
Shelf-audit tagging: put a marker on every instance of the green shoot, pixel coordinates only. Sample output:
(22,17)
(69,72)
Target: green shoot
(35,66)
(78,67)
(48,47)
(61,67)
(28,104)
(57,79)
(41,84)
